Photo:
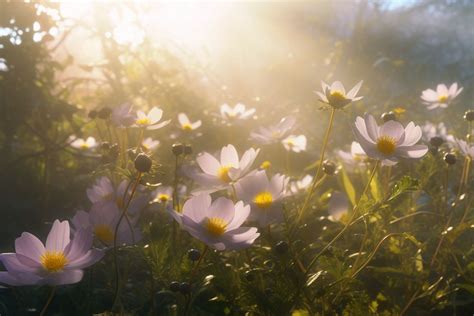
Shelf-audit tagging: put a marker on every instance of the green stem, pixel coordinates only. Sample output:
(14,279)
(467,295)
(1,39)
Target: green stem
(318,171)
(204,252)
(48,302)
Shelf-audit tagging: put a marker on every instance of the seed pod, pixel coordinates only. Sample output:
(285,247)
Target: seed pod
(174,286)
(436,141)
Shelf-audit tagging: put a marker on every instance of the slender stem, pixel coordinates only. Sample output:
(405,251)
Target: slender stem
(204,252)
(48,302)
(318,171)
(124,212)
(354,212)
(175,184)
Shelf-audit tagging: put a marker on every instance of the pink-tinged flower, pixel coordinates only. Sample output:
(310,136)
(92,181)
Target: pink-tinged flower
(355,157)
(238,112)
(295,143)
(264,196)
(123,116)
(186,125)
(58,262)
(335,94)
(151,120)
(389,142)
(81,144)
(274,133)
(338,206)
(218,223)
(302,185)
(106,195)
(163,194)
(442,97)
(466,149)
(102,222)
(149,144)
(431,130)
(219,174)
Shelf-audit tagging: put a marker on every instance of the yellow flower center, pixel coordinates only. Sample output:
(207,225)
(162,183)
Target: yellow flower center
(266,165)
(187,127)
(223,173)
(216,226)
(104,233)
(338,95)
(386,145)
(84,146)
(163,197)
(53,261)
(143,121)
(442,98)
(263,200)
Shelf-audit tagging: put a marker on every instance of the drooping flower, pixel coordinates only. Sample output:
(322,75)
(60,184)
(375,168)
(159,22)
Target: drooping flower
(123,116)
(335,94)
(102,221)
(466,148)
(80,143)
(238,112)
(295,143)
(338,206)
(218,223)
(186,125)
(264,196)
(299,186)
(219,174)
(149,144)
(389,142)
(151,120)
(60,261)
(274,133)
(442,97)
(163,194)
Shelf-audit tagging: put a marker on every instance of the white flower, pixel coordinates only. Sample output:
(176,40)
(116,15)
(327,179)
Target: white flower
(274,133)
(441,97)
(390,141)
(465,148)
(338,206)
(82,144)
(238,112)
(149,144)
(150,120)
(163,194)
(335,94)
(186,125)
(430,130)
(295,143)
(301,185)
(355,157)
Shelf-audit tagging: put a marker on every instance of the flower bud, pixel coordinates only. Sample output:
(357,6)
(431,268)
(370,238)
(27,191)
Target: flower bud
(469,115)
(188,150)
(92,114)
(388,116)
(436,141)
(194,254)
(185,288)
(281,247)
(104,113)
(450,158)
(329,167)
(143,163)
(105,145)
(177,149)
(174,286)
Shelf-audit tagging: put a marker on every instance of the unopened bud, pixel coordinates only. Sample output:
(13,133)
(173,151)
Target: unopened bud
(177,149)
(329,167)
(143,163)
(450,158)
(389,116)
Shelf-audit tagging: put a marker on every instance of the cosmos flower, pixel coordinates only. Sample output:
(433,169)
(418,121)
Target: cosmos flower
(149,144)
(431,130)
(219,174)
(335,94)
(442,97)
(299,186)
(105,194)
(238,112)
(466,149)
(218,223)
(274,133)
(58,262)
(338,206)
(102,222)
(82,144)
(264,196)
(151,120)
(295,143)
(163,194)
(186,125)
(390,141)
(122,116)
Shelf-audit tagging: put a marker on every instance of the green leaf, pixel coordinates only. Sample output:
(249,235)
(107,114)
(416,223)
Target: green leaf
(350,191)
(313,277)
(405,184)
(300,312)
(375,188)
